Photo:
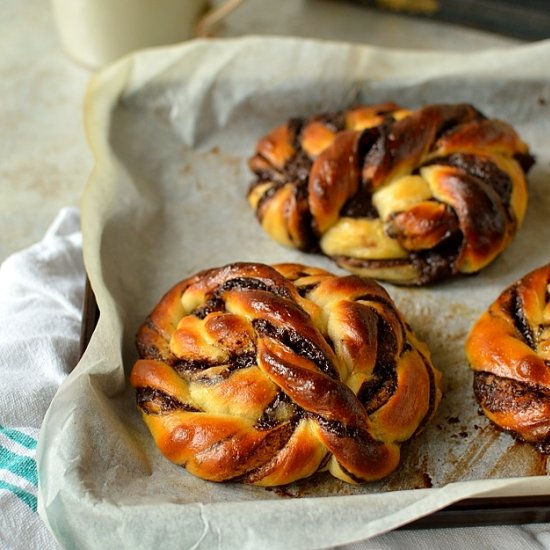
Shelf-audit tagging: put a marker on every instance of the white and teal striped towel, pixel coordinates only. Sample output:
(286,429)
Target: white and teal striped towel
(18,489)
(17,448)
(41,292)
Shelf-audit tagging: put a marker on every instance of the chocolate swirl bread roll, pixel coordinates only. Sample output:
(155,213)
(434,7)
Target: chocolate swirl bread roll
(283,162)
(509,351)
(420,196)
(267,374)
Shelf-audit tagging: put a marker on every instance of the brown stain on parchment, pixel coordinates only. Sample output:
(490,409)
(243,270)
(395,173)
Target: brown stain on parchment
(319,484)
(412,474)
(480,444)
(533,462)
(228,167)
(186,169)
(431,321)
(229,161)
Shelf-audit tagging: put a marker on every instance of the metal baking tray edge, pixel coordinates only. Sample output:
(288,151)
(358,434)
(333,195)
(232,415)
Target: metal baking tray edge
(472,512)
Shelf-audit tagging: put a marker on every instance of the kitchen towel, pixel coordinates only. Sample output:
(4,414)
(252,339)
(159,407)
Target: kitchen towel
(41,294)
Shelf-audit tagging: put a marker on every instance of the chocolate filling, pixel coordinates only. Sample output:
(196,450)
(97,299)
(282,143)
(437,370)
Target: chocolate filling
(154,401)
(186,367)
(304,290)
(147,349)
(481,168)
(498,394)
(298,344)
(295,126)
(505,395)
(371,264)
(360,205)
(281,409)
(431,265)
(215,301)
(257,463)
(525,160)
(339,429)
(521,324)
(439,262)
(334,121)
(462,113)
(251,283)
(297,171)
(378,390)
(212,304)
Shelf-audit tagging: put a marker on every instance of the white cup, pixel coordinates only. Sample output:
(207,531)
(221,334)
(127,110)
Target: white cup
(96,32)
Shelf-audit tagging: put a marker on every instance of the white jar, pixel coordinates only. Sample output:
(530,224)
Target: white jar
(96,32)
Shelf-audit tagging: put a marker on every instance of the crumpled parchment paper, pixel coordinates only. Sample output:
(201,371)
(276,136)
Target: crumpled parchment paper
(171,131)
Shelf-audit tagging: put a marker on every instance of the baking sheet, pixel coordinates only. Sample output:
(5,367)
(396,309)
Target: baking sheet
(171,131)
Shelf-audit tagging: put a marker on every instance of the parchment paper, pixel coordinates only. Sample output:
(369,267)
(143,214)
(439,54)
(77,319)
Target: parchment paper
(171,131)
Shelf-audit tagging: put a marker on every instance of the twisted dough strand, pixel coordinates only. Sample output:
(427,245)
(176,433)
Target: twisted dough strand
(509,350)
(266,375)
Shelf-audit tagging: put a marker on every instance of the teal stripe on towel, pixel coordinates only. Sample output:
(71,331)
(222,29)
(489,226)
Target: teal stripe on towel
(27,498)
(22,466)
(19,437)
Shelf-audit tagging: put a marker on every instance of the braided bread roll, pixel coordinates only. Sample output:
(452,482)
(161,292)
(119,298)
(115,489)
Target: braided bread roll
(417,197)
(283,162)
(509,351)
(266,374)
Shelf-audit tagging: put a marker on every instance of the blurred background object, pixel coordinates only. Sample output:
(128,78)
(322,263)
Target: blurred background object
(525,19)
(97,32)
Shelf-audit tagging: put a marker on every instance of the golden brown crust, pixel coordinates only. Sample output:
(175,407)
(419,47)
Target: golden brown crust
(416,197)
(509,350)
(266,374)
